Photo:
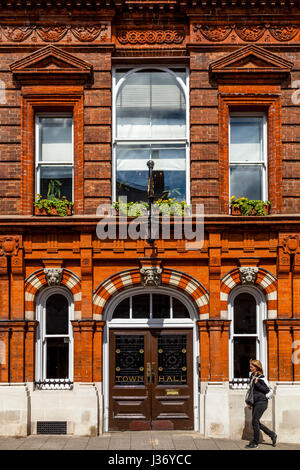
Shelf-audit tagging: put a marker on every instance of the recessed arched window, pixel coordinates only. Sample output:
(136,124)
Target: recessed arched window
(150,122)
(247,337)
(54,337)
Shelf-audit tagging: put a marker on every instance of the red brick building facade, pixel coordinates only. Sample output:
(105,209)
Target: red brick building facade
(90,91)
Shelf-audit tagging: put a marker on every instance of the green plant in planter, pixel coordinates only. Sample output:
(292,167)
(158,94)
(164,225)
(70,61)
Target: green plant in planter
(250,206)
(165,206)
(54,200)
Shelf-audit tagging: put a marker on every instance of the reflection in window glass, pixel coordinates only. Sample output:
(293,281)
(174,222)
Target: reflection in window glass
(150,106)
(246,181)
(247,153)
(169,173)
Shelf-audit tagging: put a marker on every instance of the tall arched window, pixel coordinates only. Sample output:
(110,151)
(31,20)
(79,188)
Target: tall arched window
(150,122)
(247,336)
(54,346)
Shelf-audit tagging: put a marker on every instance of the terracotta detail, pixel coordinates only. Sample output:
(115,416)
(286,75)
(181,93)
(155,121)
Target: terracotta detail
(150,37)
(90,33)
(291,244)
(51,33)
(213,33)
(283,32)
(250,33)
(9,246)
(17,33)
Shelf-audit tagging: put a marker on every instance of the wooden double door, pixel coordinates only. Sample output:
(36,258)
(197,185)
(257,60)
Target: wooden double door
(151,379)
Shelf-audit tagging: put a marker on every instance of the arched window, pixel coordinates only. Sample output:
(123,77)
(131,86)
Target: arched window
(54,365)
(247,337)
(150,122)
(151,306)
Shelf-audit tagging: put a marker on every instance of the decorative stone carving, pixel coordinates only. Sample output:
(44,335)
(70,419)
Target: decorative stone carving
(52,33)
(151,275)
(248,274)
(90,33)
(250,33)
(291,244)
(9,246)
(53,276)
(17,33)
(150,37)
(284,33)
(213,33)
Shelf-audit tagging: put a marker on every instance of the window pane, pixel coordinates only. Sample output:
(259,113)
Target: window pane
(245,314)
(62,174)
(141,306)
(57,358)
(246,181)
(244,350)
(169,171)
(246,139)
(179,309)
(151,104)
(122,310)
(55,139)
(57,315)
(160,306)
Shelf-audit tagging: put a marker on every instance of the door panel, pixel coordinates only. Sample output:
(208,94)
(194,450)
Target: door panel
(151,379)
(172,390)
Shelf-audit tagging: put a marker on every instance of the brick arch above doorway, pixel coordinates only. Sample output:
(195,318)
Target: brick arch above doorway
(170,278)
(264,280)
(38,280)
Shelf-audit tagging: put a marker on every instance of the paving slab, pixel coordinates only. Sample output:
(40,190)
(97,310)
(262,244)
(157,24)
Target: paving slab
(184,443)
(98,443)
(55,443)
(76,443)
(226,444)
(119,443)
(205,444)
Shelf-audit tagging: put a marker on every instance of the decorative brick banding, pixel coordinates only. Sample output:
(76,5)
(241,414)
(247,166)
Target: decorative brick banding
(170,278)
(265,281)
(37,281)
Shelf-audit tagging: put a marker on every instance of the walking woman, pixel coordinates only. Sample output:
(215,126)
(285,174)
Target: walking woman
(260,403)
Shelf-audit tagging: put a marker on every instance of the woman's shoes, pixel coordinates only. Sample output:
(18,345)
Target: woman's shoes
(252,445)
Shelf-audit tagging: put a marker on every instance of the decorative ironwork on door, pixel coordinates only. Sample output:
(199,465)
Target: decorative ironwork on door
(129,363)
(172,364)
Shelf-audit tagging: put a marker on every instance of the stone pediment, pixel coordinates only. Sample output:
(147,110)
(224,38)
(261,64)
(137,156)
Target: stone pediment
(250,62)
(51,64)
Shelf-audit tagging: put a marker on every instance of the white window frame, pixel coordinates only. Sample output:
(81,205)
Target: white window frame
(261,342)
(39,163)
(40,370)
(185,141)
(262,163)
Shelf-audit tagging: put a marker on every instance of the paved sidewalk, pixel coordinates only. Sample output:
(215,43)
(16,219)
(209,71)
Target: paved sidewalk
(142,440)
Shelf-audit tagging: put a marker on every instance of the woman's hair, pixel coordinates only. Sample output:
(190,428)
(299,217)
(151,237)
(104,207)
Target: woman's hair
(258,365)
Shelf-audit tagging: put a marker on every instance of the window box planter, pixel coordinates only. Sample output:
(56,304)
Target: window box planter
(52,206)
(52,211)
(248,207)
